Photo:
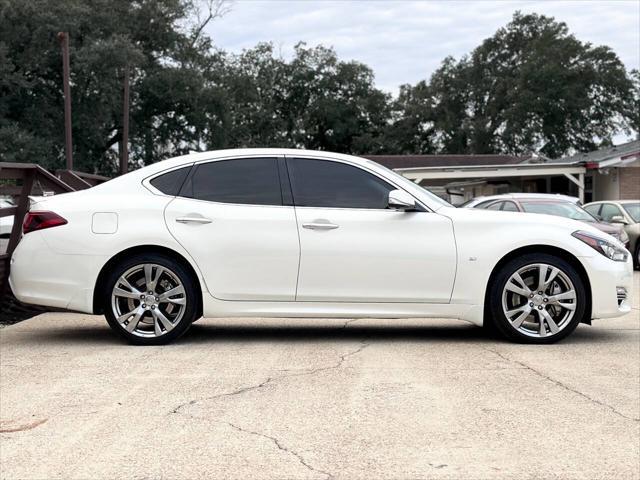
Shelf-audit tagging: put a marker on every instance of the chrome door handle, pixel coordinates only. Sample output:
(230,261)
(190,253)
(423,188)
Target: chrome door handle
(320,226)
(200,220)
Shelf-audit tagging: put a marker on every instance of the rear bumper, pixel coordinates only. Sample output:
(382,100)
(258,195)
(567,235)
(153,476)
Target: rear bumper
(606,276)
(40,276)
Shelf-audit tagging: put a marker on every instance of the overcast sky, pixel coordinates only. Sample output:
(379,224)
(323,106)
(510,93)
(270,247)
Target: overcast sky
(404,41)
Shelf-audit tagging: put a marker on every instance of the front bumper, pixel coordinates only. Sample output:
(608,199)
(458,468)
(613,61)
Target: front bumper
(606,278)
(40,276)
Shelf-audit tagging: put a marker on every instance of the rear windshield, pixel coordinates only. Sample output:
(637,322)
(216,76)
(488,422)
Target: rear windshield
(560,209)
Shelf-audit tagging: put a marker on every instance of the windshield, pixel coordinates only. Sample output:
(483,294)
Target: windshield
(560,209)
(633,209)
(411,185)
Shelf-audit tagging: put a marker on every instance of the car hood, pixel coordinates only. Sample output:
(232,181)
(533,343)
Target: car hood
(515,219)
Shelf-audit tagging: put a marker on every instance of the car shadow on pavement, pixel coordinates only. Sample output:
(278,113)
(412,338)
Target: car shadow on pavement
(213,332)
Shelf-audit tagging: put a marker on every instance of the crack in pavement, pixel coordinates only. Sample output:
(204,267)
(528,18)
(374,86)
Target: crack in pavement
(269,380)
(23,427)
(283,448)
(563,385)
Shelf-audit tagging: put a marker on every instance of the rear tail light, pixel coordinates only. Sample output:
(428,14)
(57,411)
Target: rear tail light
(41,220)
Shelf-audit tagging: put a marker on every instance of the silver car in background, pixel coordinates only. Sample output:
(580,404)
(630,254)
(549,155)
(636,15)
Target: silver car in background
(549,204)
(622,212)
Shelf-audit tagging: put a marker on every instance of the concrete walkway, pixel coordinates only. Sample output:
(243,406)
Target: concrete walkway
(316,399)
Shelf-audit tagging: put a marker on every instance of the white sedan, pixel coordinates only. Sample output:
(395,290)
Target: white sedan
(292,233)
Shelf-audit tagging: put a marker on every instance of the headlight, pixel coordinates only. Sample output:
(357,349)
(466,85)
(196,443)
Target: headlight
(608,249)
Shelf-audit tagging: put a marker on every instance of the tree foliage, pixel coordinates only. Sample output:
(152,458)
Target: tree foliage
(531,86)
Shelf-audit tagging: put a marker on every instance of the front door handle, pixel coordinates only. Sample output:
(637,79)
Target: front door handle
(320,226)
(200,220)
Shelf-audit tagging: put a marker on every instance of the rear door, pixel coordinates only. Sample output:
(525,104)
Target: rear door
(235,221)
(355,249)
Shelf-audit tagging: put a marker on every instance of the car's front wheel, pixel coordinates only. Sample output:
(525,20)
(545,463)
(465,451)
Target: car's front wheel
(537,298)
(150,299)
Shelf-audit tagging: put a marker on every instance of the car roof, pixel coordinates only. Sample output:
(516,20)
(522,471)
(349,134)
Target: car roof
(528,196)
(614,201)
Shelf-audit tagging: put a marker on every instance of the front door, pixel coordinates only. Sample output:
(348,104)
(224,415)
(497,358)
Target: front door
(355,249)
(231,218)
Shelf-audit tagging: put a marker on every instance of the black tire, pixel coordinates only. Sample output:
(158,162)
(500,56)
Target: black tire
(636,255)
(499,320)
(178,271)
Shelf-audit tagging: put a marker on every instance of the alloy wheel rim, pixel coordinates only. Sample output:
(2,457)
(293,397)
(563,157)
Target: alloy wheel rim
(148,300)
(539,300)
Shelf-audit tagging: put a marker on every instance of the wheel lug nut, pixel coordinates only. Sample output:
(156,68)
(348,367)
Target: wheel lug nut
(153,307)
(540,293)
(157,299)
(144,305)
(141,297)
(531,304)
(531,296)
(539,307)
(546,299)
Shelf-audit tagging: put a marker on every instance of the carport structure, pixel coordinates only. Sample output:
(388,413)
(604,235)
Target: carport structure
(473,174)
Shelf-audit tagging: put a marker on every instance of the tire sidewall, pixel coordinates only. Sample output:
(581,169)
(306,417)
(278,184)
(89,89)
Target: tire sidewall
(191,294)
(499,319)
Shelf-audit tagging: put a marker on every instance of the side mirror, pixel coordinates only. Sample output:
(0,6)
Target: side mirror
(618,219)
(401,200)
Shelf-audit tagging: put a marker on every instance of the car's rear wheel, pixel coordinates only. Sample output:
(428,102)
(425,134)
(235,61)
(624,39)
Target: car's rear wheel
(537,298)
(150,299)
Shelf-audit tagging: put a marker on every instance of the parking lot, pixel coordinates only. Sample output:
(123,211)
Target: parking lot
(291,398)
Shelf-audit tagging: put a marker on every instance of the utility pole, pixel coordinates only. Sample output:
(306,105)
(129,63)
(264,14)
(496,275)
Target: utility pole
(63,37)
(124,152)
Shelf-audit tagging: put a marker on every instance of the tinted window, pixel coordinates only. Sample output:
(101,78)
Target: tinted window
(323,183)
(509,207)
(609,211)
(170,183)
(252,181)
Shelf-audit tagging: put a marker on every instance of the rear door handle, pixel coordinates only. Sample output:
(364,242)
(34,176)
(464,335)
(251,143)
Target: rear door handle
(200,220)
(320,226)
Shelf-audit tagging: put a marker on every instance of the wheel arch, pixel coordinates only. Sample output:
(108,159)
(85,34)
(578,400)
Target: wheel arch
(550,250)
(98,307)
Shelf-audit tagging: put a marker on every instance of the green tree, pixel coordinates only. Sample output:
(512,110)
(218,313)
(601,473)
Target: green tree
(531,86)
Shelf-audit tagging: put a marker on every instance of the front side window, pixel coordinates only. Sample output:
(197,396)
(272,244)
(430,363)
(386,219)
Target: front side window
(251,181)
(609,211)
(495,206)
(324,183)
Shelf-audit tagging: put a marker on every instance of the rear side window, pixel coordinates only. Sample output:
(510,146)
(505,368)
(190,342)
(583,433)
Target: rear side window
(509,207)
(251,181)
(323,183)
(170,183)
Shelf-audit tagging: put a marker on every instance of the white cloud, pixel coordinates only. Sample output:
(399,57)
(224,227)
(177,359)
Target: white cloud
(405,41)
